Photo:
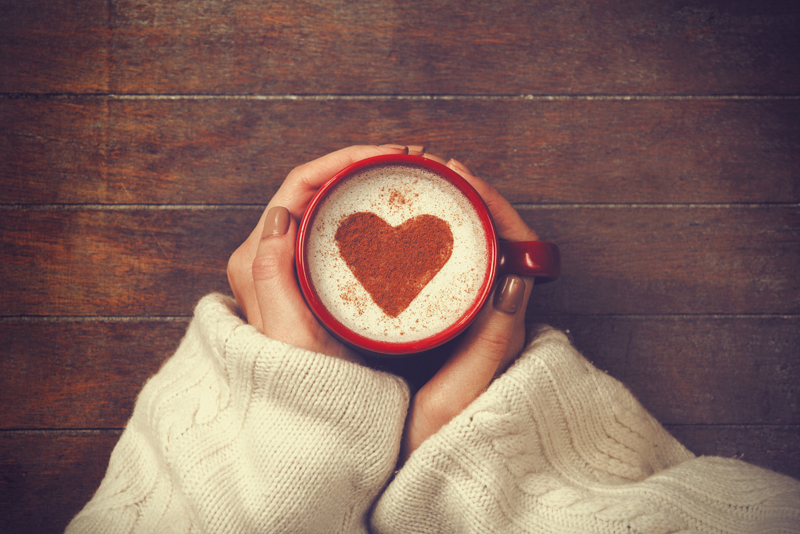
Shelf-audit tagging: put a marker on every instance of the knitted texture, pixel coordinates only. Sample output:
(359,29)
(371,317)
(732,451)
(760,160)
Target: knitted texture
(240,433)
(554,445)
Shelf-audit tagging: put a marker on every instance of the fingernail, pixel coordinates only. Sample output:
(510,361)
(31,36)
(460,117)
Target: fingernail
(437,159)
(404,148)
(416,150)
(458,166)
(276,222)
(508,296)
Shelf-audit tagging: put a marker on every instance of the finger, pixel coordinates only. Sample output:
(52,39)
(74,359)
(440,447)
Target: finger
(491,342)
(283,312)
(281,305)
(294,194)
(509,224)
(487,343)
(273,271)
(435,158)
(402,148)
(517,342)
(303,181)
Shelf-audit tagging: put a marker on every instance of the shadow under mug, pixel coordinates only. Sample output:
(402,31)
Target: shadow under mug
(539,259)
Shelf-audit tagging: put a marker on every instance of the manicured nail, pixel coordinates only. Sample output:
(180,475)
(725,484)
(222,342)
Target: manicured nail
(437,159)
(508,295)
(276,222)
(416,150)
(404,148)
(458,166)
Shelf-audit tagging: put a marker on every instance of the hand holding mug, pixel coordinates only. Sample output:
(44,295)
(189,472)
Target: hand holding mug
(262,277)
(261,272)
(397,254)
(489,345)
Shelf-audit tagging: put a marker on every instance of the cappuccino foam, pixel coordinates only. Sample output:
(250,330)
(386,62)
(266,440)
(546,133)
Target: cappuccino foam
(397,193)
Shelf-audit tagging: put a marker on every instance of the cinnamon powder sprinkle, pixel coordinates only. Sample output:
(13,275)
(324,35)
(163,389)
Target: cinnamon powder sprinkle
(394,263)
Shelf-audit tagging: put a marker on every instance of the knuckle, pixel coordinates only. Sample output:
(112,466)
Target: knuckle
(298,175)
(267,265)
(491,190)
(236,265)
(495,344)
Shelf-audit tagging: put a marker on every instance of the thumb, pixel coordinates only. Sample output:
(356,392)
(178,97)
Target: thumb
(279,299)
(486,345)
(284,314)
(485,349)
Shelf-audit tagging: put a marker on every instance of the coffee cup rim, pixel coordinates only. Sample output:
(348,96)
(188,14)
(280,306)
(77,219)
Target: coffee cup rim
(359,341)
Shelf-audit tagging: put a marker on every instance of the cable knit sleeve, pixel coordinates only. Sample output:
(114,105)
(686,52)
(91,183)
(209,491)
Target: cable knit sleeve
(554,445)
(240,433)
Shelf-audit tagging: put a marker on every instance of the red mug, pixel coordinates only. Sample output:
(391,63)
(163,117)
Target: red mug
(537,259)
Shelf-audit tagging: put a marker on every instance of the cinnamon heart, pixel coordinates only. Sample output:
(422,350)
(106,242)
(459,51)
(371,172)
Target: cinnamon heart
(394,263)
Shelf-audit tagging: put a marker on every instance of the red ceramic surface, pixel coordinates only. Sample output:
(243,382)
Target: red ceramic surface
(532,258)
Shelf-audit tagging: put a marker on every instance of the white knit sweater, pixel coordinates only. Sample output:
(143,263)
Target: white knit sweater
(241,433)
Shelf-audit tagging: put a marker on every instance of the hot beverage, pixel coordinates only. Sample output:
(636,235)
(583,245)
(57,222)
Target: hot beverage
(397,253)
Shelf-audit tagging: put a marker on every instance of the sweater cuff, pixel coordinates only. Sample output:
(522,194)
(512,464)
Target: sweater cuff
(547,429)
(238,432)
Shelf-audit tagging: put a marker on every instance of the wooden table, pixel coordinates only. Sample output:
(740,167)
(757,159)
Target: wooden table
(657,142)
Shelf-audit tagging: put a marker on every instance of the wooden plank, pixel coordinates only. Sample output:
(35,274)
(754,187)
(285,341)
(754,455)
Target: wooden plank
(689,371)
(772,447)
(59,46)
(638,260)
(64,469)
(697,370)
(118,262)
(508,47)
(616,260)
(48,477)
(320,46)
(54,150)
(79,374)
(234,151)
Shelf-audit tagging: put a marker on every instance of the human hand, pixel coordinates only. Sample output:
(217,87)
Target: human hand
(261,272)
(488,346)
(262,278)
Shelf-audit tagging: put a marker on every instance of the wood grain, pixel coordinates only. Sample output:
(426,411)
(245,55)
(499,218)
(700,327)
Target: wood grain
(56,46)
(773,447)
(49,476)
(688,371)
(82,150)
(118,262)
(464,47)
(657,142)
(76,374)
(616,260)
(697,370)
(663,260)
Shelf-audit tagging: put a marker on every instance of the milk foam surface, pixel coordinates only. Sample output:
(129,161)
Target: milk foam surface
(396,194)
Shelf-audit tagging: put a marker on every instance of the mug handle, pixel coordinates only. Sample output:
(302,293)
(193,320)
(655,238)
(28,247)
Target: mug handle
(541,259)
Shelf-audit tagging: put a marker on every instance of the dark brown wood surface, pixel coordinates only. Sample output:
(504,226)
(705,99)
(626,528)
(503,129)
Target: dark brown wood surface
(657,142)
(211,151)
(379,47)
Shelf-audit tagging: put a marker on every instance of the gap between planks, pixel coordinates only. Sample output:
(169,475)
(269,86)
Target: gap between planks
(389,97)
(61,431)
